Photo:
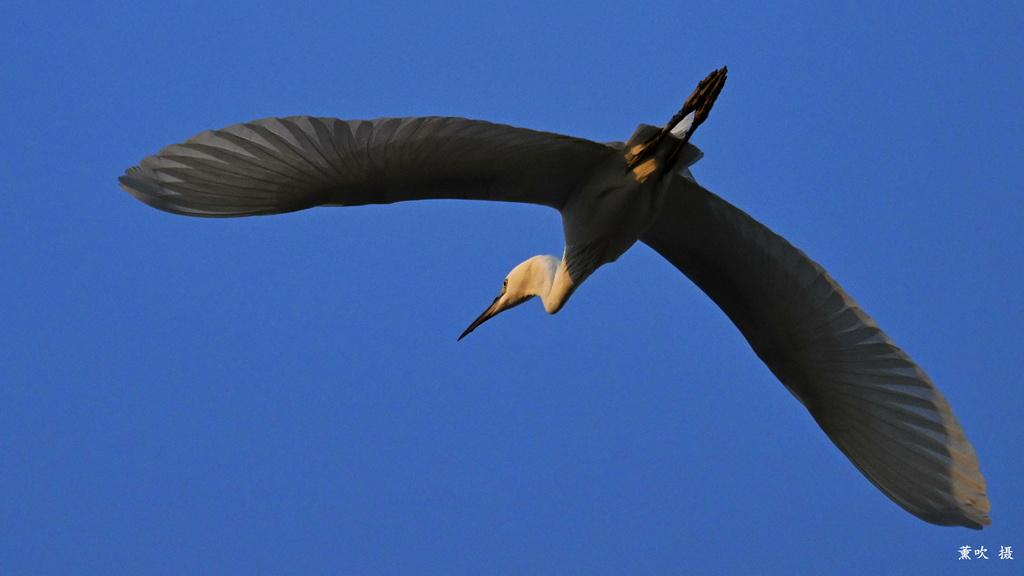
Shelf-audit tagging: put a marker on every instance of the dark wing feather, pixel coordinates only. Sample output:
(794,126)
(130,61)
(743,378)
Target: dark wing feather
(279,165)
(868,396)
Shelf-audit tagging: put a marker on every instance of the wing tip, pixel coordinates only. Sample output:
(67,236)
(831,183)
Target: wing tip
(145,191)
(967,516)
(155,195)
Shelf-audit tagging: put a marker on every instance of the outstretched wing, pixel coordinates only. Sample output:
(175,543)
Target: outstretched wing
(868,396)
(280,165)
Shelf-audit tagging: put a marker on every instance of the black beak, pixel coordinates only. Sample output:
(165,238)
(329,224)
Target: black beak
(487,315)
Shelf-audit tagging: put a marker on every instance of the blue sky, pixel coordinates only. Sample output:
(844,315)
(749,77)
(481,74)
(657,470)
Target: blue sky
(286,394)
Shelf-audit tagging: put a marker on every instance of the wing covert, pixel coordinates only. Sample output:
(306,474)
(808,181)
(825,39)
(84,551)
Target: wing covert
(277,165)
(869,397)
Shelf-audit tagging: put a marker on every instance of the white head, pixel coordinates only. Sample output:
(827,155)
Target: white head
(531,278)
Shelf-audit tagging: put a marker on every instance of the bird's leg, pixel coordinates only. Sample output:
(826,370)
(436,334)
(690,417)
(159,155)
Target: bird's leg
(699,103)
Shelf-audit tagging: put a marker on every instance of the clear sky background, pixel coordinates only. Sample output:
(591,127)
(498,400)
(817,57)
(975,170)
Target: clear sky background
(285,395)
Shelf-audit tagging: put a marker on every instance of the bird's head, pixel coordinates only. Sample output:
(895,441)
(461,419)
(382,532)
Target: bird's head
(531,278)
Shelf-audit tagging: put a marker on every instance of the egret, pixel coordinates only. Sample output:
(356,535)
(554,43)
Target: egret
(878,407)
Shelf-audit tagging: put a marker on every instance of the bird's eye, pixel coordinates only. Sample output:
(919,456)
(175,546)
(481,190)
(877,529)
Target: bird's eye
(504,286)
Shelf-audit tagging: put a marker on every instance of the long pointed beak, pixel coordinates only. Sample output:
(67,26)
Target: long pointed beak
(487,315)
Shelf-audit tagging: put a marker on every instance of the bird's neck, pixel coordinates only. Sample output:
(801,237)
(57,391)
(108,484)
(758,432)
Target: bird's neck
(557,286)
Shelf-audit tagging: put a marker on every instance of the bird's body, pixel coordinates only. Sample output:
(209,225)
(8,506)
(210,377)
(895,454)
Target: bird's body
(628,199)
(868,396)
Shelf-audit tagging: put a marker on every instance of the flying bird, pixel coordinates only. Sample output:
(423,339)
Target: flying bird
(878,407)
